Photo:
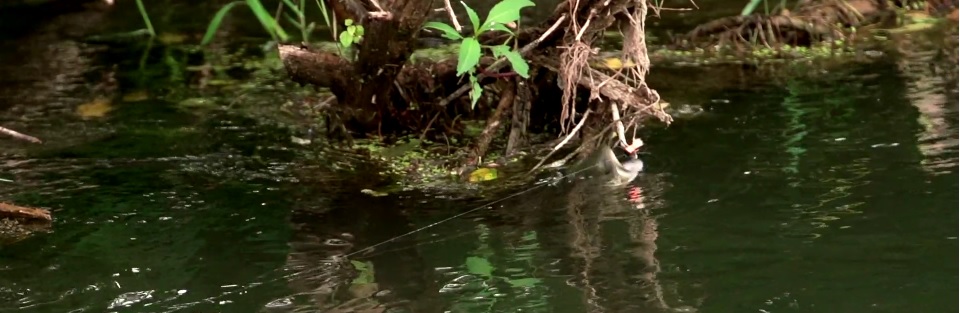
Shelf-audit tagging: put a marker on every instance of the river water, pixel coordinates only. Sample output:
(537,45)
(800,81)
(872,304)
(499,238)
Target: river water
(832,192)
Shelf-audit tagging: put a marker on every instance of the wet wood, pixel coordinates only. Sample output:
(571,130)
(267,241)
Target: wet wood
(18,135)
(25,213)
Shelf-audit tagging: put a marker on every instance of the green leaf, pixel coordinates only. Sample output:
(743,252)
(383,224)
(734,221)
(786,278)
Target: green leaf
(505,12)
(266,19)
(217,19)
(502,27)
(448,31)
(518,63)
(479,266)
(365,271)
(474,19)
(475,93)
(499,51)
(291,19)
(750,7)
(346,38)
(469,55)
(293,7)
(347,22)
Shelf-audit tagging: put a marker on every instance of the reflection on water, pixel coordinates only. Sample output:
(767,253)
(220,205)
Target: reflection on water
(929,69)
(827,194)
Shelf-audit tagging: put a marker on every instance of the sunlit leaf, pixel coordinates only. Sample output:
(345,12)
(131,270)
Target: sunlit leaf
(98,107)
(346,38)
(479,266)
(505,12)
(483,174)
(347,22)
(474,19)
(448,31)
(518,63)
(217,20)
(469,55)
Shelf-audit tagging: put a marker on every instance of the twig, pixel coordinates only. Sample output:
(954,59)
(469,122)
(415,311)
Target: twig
(18,135)
(381,14)
(425,129)
(501,62)
(635,143)
(585,26)
(377,5)
(493,122)
(564,142)
(453,16)
(615,111)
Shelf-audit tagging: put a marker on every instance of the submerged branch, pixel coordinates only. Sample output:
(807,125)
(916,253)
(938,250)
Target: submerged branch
(15,134)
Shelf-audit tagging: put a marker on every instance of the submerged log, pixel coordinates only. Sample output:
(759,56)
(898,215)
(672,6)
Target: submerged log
(24,213)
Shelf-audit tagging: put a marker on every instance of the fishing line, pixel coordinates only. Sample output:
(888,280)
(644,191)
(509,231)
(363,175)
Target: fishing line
(341,258)
(489,204)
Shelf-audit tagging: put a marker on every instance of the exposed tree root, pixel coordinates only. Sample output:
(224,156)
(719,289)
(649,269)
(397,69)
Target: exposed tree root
(380,94)
(812,22)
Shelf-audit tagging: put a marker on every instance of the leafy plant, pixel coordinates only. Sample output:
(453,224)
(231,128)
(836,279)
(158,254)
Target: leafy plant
(503,13)
(299,18)
(352,34)
(268,22)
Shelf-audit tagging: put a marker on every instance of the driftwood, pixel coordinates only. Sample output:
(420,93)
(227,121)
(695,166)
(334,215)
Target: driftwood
(24,213)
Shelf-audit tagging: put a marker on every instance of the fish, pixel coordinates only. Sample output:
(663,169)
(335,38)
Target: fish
(604,162)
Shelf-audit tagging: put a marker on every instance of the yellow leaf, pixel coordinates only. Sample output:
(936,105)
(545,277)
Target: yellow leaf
(483,174)
(98,107)
(171,38)
(617,63)
(135,96)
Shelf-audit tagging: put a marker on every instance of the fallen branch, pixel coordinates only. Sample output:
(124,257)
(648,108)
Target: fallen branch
(18,135)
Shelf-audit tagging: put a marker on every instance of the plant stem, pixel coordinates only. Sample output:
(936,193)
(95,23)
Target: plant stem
(146,18)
